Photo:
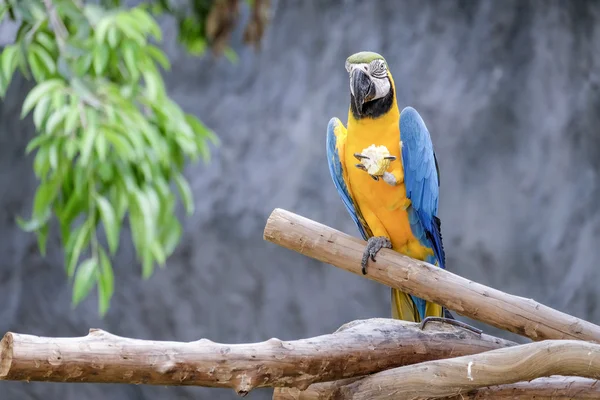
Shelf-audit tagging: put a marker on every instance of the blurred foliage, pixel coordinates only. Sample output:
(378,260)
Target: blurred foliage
(110,142)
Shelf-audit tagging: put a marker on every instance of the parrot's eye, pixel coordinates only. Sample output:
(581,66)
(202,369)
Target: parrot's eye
(378,69)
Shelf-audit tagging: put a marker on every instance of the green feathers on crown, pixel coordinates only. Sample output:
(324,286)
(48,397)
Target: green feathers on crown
(364,57)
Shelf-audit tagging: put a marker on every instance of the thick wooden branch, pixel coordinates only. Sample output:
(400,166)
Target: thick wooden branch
(357,348)
(552,388)
(516,314)
(458,376)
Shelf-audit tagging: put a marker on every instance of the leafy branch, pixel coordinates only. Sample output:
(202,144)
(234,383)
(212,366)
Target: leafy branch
(110,142)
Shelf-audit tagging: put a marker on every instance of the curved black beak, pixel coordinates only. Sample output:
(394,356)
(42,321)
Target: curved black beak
(363,88)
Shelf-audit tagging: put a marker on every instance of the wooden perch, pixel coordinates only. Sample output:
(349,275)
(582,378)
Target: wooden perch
(357,348)
(552,388)
(458,376)
(516,314)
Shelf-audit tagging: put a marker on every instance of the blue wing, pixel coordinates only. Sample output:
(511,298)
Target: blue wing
(421,178)
(336,140)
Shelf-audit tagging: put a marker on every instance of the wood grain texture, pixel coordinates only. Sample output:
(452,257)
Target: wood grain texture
(551,388)
(458,376)
(516,314)
(357,348)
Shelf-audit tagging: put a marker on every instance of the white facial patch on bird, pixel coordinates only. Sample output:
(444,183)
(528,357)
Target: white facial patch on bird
(377,71)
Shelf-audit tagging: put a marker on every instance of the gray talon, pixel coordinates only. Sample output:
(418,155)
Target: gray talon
(392,158)
(375,177)
(359,156)
(374,244)
(360,166)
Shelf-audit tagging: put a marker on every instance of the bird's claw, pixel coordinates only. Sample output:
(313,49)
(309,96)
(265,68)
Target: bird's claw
(374,244)
(363,168)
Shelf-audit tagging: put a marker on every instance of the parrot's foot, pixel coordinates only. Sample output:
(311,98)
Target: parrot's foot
(374,244)
(451,322)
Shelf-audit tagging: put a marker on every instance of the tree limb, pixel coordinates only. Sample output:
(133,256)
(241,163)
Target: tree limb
(516,314)
(357,348)
(552,388)
(457,376)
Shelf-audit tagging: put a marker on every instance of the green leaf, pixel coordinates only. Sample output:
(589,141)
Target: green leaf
(56,118)
(130,60)
(154,85)
(113,37)
(75,245)
(158,253)
(46,59)
(36,142)
(36,66)
(69,212)
(87,145)
(47,41)
(101,56)
(83,64)
(102,29)
(106,283)
(72,119)
(142,230)
(85,279)
(171,235)
(121,145)
(10,59)
(127,26)
(147,21)
(147,263)
(40,90)
(158,56)
(41,163)
(42,238)
(185,192)
(53,154)
(101,148)
(33,224)
(44,197)
(111,226)
(41,111)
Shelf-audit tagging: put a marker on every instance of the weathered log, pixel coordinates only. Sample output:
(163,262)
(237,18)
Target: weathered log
(357,348)
(551,388)
(513,313)
(458,376)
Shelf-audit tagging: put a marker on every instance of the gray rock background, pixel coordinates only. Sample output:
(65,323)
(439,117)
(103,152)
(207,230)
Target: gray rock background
(510,93)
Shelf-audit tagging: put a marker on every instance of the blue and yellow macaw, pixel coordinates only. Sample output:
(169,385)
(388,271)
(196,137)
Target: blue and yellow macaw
(392,193)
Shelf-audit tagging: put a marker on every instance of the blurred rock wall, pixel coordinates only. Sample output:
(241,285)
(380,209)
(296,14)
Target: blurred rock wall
(509,90)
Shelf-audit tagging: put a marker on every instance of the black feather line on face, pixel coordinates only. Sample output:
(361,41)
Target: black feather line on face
(375,108)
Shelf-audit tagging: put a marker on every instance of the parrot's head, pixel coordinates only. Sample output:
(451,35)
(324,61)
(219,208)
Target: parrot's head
(371,85)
